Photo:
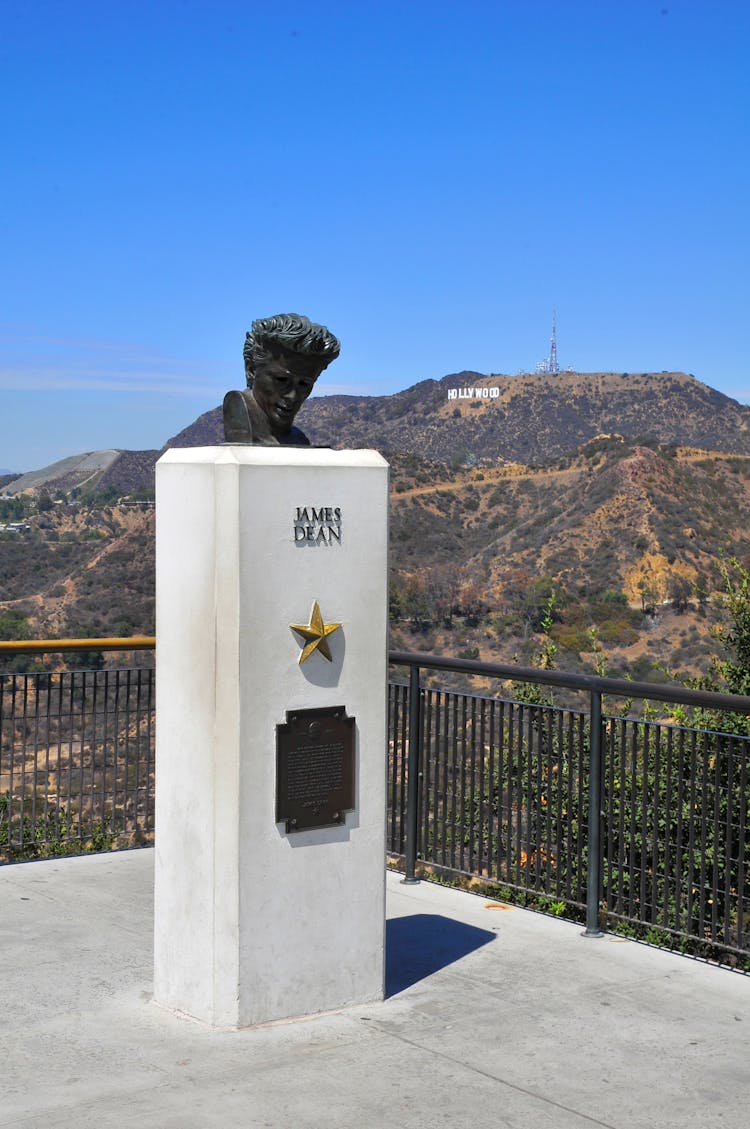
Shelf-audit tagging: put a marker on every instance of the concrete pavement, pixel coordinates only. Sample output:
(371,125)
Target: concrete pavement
(494,1017)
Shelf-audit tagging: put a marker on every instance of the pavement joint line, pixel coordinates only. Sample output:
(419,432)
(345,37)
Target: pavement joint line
(495,1078)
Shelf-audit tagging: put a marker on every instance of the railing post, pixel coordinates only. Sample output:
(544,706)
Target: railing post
(413,776)
(594,854)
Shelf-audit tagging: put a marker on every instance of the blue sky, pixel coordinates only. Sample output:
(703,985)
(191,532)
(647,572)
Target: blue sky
(428,179)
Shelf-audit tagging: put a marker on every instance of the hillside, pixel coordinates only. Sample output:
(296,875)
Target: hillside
(613,493)
(116,472)
(532,419)
(81,570)
(588,520)
(625,535)
(74,472)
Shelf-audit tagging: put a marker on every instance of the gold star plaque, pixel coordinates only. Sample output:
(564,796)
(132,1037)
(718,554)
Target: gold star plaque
(315,633)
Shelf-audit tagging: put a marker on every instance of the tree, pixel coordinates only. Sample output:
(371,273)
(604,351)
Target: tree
(734,634)
(471,602)
(442,591)
(679,591)
(14,626)
(415,602)
(648,597)
(83,660)
(701,589)
(394,600)
(539,602)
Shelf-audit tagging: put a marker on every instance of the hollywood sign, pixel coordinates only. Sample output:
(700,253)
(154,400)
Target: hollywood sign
(473,393)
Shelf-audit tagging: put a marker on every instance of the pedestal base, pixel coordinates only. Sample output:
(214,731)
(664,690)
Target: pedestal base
(254,922)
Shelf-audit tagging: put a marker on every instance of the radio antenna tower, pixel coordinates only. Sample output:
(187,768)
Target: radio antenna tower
(552,365)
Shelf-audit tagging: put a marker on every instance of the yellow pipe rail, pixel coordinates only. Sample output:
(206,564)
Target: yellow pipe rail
(52,646)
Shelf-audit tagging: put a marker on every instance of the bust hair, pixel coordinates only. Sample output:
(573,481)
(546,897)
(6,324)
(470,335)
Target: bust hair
(289,333)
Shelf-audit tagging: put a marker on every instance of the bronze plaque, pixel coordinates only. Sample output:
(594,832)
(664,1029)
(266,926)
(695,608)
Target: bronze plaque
(314,768)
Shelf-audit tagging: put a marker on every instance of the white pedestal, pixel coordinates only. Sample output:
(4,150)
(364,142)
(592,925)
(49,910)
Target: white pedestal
(252,923)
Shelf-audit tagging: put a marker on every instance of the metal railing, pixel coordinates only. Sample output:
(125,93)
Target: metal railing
(625,820)
(76,753)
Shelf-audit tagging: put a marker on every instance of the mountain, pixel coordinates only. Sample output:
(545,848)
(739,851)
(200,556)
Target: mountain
(625,534)
(132,472)
(65,474)
(80,569)
(593,521)
(531,419)
(123,472)
(624,537)
(619,507)
(464,419)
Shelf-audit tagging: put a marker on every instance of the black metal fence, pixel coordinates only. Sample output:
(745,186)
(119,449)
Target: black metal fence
(76,758)
(502,789)
(631,821)
(624,820)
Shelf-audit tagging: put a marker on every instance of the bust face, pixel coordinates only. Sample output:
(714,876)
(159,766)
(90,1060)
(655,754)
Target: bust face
(281,385)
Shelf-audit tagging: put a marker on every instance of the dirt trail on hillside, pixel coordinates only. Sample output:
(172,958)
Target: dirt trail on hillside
(490,476)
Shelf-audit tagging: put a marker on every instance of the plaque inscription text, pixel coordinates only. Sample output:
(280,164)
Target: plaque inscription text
(314,768)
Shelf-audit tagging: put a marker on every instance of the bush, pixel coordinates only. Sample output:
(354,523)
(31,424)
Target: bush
(617,632)
(613,596)
(571,638)
(14,626)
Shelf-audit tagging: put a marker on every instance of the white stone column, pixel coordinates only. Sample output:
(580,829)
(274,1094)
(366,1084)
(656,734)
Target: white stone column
(254,923)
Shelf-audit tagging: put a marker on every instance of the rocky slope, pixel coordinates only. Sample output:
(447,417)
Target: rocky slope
(615,491)
(534,418)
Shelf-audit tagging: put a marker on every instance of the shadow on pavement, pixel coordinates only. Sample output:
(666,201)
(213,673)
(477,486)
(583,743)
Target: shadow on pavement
(423,943)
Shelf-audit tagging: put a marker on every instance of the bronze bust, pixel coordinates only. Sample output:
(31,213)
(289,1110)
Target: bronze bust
(284,356)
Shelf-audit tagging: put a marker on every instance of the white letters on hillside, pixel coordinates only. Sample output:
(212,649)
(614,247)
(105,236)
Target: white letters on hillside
(473,393)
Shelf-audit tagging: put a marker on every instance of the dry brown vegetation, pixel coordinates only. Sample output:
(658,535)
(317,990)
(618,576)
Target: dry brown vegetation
(81,570)
(625,536)
(497,505)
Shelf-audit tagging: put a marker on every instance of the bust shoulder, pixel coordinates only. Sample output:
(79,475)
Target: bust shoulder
(237,425)
(245,422)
